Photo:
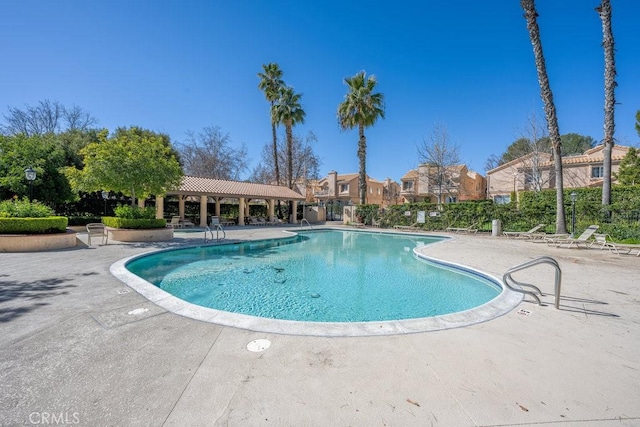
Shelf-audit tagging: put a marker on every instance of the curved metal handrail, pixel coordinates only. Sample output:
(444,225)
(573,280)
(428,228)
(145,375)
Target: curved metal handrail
(510,282)
(305,220)
(218,229)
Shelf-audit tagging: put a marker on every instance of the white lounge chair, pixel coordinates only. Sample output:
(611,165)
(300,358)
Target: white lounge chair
(602,241)
(97,229)
(523,234)
(175,222)
(467,230)
(570,242)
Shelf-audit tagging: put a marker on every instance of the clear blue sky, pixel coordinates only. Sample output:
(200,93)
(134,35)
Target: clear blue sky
(174,66)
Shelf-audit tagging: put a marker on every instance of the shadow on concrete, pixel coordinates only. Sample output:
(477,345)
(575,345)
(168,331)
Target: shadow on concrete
(34,292)
(579,305)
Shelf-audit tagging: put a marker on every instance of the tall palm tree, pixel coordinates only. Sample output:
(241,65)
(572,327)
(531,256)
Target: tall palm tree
(270,83)
(362,108)
(604,10)
(531,15)
(288,111)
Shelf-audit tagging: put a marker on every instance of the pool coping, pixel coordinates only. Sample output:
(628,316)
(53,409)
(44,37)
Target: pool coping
(502,304)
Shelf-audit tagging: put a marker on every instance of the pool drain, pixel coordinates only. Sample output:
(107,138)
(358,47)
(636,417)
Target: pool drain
(259,345)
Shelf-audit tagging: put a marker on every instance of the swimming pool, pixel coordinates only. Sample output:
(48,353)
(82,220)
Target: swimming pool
(317,279)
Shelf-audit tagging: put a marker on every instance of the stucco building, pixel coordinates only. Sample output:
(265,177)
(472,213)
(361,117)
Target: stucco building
(343,189)
(536,171)
(453,184)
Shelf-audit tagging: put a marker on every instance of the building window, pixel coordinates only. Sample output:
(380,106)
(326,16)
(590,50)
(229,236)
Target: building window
(378,191)
(502,200)
(370,190)
(407,185)
(344,188)
(450,199)
(597,171)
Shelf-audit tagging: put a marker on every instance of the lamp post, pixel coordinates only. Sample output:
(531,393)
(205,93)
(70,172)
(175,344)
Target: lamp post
(105,196)
(30,174)
(574,197)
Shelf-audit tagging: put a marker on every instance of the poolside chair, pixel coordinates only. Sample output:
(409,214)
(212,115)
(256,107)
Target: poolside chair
(602,241)
(413,227)
(254,221)
(215,221)
(97,229)
(186,223)
(523,234)
(570,242)
(467,230)
(175,222)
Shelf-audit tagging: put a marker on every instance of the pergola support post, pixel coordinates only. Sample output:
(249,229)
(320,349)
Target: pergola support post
(203,211)
(241,212)
(159,207)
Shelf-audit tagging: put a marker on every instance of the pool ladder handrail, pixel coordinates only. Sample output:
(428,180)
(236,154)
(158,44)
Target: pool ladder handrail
(305,220)
(510,282)
(218,229)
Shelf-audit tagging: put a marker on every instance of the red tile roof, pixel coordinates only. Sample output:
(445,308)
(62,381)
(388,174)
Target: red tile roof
(192,185)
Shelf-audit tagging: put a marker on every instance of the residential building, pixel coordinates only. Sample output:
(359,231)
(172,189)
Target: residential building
(343,189)
(536,171)
(430,183)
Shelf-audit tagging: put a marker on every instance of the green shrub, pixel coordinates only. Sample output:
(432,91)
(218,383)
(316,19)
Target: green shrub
(84,220)
(137,224)
(17,208)
(134,212)
(52,224)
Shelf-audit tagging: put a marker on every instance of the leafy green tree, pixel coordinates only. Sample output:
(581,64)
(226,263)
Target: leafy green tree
(638,122)
(629,172)
(604,10)
(44,154)
(288,111)
(271,83)
(361,108)
(135,162)
(573,143)
(531,16)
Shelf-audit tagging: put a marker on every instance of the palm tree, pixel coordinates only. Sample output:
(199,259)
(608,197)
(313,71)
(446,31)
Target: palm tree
(288,111)
(531,15)
(361,107)
(604,10)
(271,83)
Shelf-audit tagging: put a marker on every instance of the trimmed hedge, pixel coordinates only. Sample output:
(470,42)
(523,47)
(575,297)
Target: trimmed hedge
(46,225)
(134,224)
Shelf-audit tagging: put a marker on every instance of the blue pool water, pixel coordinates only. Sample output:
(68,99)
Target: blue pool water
(322,276)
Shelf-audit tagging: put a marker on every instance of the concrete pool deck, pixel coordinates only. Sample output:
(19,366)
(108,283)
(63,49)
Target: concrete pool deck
(79,347)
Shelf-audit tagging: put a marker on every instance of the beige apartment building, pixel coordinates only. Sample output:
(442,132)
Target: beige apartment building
(536,171)
(343,189)
(457,183)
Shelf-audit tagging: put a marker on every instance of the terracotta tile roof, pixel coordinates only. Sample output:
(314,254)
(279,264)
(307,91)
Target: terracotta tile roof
(193,185)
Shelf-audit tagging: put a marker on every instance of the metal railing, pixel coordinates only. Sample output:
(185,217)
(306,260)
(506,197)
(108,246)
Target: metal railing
(510,282)
(218,229)
(305,220)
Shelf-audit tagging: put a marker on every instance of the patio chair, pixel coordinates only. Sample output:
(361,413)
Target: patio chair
(175,222)
(602,241)
(468,230)
(97,229)
(215,221)
(186,223)
(523,234)
(570,242)
(413,227)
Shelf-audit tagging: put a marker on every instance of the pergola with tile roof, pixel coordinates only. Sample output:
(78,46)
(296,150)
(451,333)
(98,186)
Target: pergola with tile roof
(219,189)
